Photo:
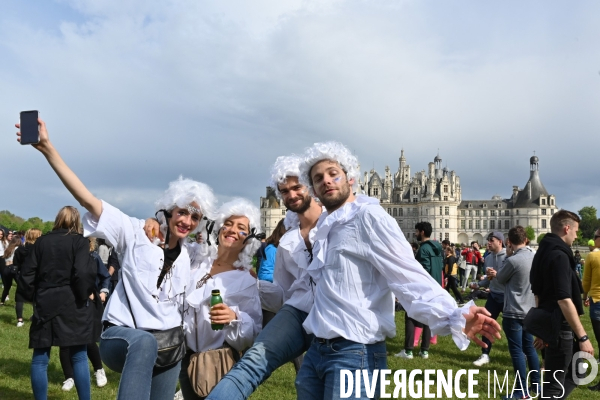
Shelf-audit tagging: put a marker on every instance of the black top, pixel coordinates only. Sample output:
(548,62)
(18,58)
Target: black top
(113,261)
(553,275)
(449,264)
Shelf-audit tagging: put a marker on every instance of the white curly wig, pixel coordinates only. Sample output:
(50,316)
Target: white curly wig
(181,193)
(241,207)
(284,167)
(332,151)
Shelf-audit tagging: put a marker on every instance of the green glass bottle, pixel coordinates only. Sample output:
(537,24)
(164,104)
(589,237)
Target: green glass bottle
(216,299)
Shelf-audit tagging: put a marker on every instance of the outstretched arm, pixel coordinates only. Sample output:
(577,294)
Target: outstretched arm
(73,184)
(478,321)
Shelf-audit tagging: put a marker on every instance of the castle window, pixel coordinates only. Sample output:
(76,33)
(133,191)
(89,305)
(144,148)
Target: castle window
(506,224)
(485,223)
(499,205)
(445,198)
(462,213)
(282,212)
(506,213)
(492,213)
(401,212)
(440,210)
(470,205)
(477,224)
(447,236)
(543,211)
(517,212)
(441,221)
(484,205)
(415,212)
(492,224)
(518,222)
(445,188)
(551,202)
(477,213)
(390,211)
(470,224)
(447,223)
(470,213)
(446,210)
(462,224)
(375,191)
(416,190)
(395,212)
(485,212)
(544,224)
(415,200)
(543,202)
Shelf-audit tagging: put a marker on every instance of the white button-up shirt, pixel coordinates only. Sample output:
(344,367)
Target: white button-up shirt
(141,263)
(239,292)
(361,260)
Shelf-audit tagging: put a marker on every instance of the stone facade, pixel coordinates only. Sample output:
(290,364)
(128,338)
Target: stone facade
(435,196)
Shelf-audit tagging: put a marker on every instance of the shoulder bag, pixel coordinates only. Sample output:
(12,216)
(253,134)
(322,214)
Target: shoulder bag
(207,368)
(544,324)
(170,342)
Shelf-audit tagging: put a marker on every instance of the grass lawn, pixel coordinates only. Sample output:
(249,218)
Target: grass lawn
(15,360)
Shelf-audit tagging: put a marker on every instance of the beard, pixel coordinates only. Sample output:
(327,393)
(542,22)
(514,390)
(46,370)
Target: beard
(334,202)
(419,237)
(302,207)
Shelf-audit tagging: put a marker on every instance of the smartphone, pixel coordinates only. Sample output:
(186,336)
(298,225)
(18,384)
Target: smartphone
(30,131)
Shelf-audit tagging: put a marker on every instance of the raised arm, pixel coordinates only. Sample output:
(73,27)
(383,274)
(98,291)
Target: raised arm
(73,184)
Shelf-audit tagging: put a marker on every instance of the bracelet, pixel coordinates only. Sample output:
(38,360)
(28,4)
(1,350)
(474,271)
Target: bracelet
(583,338)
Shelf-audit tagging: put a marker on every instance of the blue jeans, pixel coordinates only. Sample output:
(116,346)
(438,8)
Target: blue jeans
(133,352)
(282,340)
(520,345)
(494,304)
(319,377)
(81,372)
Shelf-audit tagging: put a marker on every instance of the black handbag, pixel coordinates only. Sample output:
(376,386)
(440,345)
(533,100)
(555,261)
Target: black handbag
(170,342)
(544,324)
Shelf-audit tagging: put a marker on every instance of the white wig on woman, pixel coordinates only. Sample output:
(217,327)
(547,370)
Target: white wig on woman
(181,193)
(284,167)
(242,207)
(331,151)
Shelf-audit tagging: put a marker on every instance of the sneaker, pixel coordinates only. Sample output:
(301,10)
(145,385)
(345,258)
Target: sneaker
(19,324)
(482,360)
(100,377)
(408,354)
(68,384)
(424,354)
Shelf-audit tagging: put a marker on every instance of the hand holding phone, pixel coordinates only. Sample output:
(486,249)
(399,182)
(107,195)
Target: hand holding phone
(30,131)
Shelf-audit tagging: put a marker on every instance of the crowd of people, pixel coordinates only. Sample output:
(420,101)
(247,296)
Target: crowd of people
(167,311)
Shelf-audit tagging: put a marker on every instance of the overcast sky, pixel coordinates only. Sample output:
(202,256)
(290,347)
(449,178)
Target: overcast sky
(138,92)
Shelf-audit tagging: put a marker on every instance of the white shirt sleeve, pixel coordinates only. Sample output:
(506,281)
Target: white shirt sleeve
(421,296)
(240,333)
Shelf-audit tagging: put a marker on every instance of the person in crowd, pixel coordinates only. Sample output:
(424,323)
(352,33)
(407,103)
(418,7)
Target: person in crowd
(21,254)
(10,270)
(556,286)
(103,251)
(267,265)
(153,279)
(237,226)
(58,278)
(591,290)
(518,300)
(495,301)
(113,270)
(360,258)
(3,245)
(451,273)
(93,352)
(283,339)
(415,248)
(472,257)
(431,256)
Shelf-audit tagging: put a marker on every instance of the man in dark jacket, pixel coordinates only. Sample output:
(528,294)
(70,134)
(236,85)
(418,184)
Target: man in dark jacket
(431,256)
(556,286)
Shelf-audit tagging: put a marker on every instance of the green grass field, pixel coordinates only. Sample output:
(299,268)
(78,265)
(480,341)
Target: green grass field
(15,360)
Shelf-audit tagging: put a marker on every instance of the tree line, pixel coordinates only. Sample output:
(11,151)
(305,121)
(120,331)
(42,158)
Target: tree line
(13,222)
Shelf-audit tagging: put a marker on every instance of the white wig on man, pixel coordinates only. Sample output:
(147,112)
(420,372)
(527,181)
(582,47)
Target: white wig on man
(330,151)
(242,207)
(182,193)
(284,167)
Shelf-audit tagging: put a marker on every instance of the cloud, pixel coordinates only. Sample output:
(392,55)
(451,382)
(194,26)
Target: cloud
(136,93)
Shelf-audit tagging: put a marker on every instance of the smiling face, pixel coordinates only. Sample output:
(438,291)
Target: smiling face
(330,184)
(184,220)
(295,195)
(234,231)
